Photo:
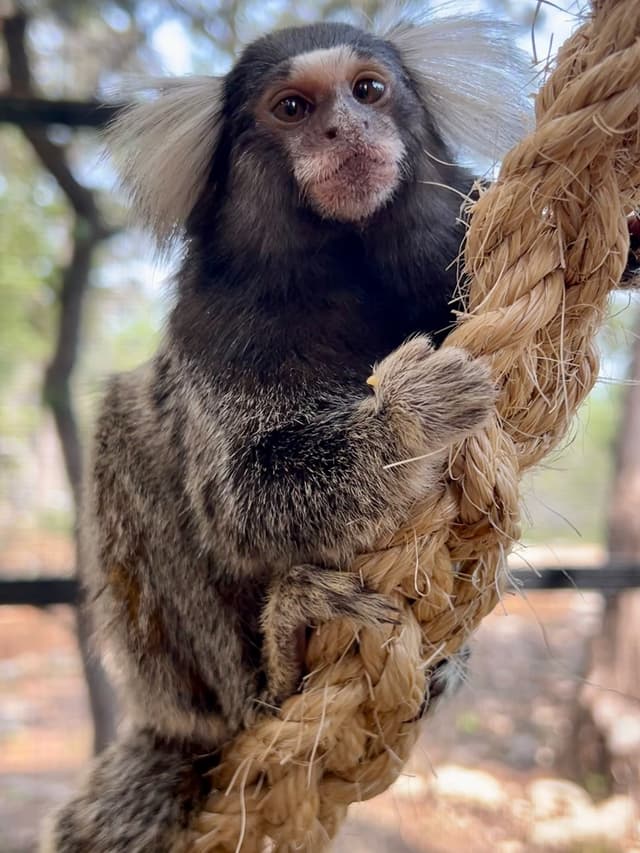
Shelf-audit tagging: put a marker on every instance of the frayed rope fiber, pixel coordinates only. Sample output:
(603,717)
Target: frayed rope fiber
(546,245)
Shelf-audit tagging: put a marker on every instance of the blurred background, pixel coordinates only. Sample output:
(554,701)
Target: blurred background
(541,748)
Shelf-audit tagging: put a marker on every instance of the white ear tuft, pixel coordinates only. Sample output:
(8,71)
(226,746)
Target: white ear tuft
(472,78)
(162,148)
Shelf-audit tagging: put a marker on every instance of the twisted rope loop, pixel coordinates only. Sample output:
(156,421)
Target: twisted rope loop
(547,243)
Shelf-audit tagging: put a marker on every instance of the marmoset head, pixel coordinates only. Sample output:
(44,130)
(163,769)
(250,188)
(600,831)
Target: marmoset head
(330,108)
(325,119)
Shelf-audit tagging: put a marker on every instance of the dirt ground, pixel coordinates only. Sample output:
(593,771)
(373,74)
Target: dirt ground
(486,776)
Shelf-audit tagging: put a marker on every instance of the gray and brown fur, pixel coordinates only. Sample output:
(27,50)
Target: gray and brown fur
(236,475)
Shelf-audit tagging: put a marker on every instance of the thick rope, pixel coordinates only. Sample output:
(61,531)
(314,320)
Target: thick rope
(547,243)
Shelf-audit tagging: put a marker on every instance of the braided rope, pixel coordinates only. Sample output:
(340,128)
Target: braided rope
(546,245)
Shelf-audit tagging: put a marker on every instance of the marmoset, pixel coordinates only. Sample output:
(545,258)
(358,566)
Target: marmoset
(235,476)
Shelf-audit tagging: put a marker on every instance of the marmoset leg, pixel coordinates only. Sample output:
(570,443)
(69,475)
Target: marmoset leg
(310,595)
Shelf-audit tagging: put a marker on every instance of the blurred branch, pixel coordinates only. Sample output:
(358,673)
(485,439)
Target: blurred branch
(200,20)
(57,390)
(34,112)
(88,231)
(52,156)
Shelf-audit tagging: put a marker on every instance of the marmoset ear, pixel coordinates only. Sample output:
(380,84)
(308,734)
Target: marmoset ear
(162,145)
(471,77)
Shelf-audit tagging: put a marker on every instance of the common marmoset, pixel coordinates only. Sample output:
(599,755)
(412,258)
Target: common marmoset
(236,475)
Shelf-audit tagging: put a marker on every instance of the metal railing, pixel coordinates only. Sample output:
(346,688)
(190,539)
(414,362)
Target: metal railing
(609,579)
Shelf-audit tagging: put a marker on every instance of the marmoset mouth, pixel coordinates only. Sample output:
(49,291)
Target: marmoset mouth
(360,160)
(356,189)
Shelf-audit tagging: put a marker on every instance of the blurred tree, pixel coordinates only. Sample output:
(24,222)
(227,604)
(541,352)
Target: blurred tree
(624,506)
(87,230)
(554,493)
(614,697)
(603,748)
(27,247)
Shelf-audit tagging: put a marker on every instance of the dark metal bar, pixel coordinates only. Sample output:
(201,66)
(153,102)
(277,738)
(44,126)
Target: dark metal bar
(39,592)
(26,112)
(42,592)
(610,578)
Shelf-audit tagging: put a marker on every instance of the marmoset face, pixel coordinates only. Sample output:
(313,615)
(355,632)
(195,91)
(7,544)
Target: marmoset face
(322,121)
(331,113)
(330,116)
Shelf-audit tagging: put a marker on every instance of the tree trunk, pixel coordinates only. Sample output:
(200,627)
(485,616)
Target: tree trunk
(613,693)
(88,231)
(624,515)
(57,394)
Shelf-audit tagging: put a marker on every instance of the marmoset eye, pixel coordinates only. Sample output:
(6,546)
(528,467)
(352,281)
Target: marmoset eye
(368,90)
(292,109)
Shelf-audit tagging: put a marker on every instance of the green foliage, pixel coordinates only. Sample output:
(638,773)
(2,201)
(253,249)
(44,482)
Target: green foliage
(32,240)
(52,520)
(597,785)
(468,722)
(121,328)
(566,498)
